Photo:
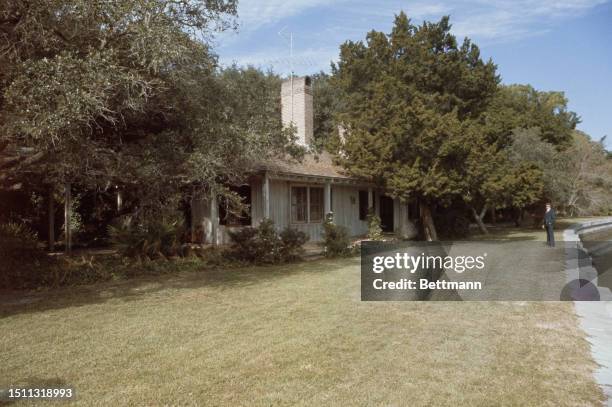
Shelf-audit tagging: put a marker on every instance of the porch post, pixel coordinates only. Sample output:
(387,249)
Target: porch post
(327,198)
(193,218)
(67,216)
(266,196)
(370,199)
(51,220)
(214,218)
(119,200)
(377,211)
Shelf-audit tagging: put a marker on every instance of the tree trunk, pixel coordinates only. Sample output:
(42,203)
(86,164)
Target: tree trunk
(479,221)
(51,220)
(428,223)
(67,215)
(483,212)
(493,216)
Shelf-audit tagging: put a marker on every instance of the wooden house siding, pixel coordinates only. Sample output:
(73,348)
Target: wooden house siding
(344,205)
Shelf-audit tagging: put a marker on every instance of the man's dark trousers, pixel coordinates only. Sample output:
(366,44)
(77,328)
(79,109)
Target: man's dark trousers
(550,234)
(549,222)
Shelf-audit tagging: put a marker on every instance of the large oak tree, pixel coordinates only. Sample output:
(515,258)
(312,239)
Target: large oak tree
(129,94)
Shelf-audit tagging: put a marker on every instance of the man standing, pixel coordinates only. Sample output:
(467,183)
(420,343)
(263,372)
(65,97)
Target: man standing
(549,223)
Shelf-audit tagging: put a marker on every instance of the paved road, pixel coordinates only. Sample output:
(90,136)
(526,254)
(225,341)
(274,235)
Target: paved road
(595,316)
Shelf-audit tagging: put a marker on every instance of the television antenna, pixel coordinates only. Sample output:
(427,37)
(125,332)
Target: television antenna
(290,39)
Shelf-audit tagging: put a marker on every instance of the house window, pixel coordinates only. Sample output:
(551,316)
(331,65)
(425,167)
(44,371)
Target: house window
(229,217)
(299,204)
(306,204)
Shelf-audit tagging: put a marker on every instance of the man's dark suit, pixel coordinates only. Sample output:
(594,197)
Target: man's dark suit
(549,223)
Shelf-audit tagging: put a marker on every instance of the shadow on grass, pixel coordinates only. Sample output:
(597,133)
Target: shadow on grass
(19,302)
(508,233)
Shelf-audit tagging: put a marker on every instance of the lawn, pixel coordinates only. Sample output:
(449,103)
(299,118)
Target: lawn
(287,335)
(505,232)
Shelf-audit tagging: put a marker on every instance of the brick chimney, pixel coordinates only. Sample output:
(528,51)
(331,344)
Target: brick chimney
(296,107)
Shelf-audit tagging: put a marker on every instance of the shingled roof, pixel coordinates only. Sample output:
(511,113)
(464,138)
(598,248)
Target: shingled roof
(319,165)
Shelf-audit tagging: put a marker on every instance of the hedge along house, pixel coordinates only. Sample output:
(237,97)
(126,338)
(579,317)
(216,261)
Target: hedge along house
(299,195)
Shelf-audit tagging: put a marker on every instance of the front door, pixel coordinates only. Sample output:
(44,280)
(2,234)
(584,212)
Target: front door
(386,213)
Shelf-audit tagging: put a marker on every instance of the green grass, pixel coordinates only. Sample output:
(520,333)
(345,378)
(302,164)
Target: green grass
(505,232)
(295,334)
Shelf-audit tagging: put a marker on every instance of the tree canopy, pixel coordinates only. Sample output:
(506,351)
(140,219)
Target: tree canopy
(129,93)
(411,98)
(427,119)
(578,179)
(523,107)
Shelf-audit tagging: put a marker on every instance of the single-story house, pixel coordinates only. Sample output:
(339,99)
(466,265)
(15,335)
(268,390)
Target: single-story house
(298,195)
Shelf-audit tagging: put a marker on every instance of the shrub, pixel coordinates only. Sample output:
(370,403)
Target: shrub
(267,242)
(336,239)
(76,223)
(292,242)
(263,244)
(215,256)
(19,242)
(255,244)
(374,226)
(151,240)
(243,237)
(21,256)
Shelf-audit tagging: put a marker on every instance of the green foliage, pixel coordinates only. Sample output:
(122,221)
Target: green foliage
(411,96)
(242,239)
(149,240)
(374,226)
(453,222)
(22,206)
(577,179)
(327,101)
(72,271)
(78,76)
(261,245)
(336,240)
(21,256)
(215,256)
(521,129)
(292,244)
(134,87)
(19,243)
(264,245)
(516,107)
(494,178)
(524,186)
(75,222)
(426,118)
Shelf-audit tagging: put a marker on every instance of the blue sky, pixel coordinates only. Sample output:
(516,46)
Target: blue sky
(563,45)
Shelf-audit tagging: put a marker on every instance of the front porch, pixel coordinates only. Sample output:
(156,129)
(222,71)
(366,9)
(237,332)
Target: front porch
(300,201)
